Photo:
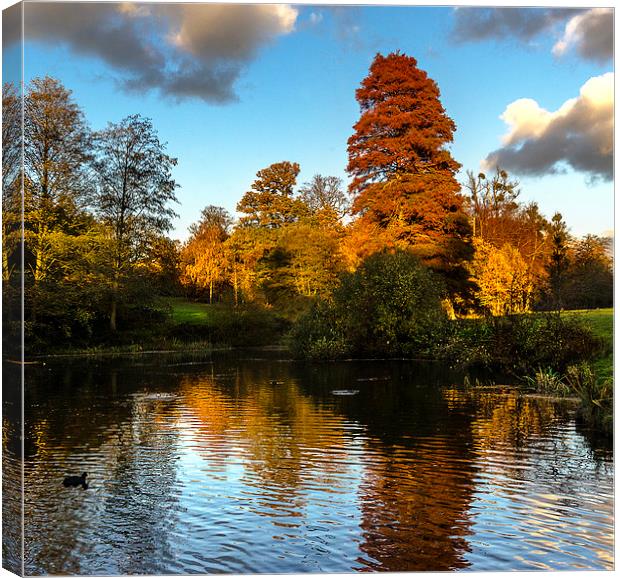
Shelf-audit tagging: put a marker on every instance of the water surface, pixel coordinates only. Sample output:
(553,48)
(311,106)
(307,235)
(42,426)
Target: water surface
(247,462)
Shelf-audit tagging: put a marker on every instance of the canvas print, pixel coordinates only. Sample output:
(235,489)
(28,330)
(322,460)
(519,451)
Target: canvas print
(306,288)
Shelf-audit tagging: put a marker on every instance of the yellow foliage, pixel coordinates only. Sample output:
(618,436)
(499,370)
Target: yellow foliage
(504,281)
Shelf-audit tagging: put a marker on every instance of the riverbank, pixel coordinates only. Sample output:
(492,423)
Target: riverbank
(190,327)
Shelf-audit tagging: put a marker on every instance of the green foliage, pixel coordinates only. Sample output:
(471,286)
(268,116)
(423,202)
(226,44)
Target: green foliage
(319,333)
(590,280)
(520,344)
(548,381)
(581,380)
(225,325)
(596,395)
(391,305)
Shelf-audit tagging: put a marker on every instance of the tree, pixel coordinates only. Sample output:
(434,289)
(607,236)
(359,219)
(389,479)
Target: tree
(391,305)
(558,264)
(135,187)
(503,279)
(589,279)
(403,175)
(11,178)
(204,255)
(270,203)
(57,149)
(325,198)
(493,204)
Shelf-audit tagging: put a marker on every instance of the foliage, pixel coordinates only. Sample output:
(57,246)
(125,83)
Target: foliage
(204,257)
(11,181)
(403,175)
(558,261)
(134,188)
(596,395)
(503,279)
(391,305)
(325,198)
(519,344)
(510,239)
(56,184)
(589,278)
(493,205)
(270,201)
(224,325)
(548,381)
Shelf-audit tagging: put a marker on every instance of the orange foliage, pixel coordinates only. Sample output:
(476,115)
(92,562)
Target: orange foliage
(403,176)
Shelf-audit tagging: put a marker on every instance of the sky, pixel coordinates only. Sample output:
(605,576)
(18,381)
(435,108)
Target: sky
(232,89)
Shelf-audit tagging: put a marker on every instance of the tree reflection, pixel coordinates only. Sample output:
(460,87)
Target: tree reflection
(393,471)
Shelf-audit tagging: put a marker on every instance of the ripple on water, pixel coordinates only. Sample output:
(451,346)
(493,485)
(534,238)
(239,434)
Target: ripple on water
(220,471)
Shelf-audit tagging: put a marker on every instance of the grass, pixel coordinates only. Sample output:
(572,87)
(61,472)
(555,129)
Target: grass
(224,324)
(184,311)
(602,323)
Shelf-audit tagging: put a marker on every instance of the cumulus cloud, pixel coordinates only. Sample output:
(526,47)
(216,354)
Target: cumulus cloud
(182,50)
(589,31)
(579,134)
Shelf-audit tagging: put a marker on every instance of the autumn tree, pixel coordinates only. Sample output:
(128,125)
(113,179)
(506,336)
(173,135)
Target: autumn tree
(134,190)
(203,256)
(501,221)
(244,249)
(504,285)
(270,203)
(403,176)
(493,204)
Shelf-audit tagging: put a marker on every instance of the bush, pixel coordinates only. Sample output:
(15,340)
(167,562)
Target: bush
(233,327)
(390,306)
(520,344)
(596,395)
(318,334)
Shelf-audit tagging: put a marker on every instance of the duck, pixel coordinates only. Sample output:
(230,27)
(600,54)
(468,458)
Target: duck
(75,481)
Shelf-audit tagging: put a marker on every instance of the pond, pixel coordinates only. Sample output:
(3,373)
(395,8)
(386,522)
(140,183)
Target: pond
(248,462)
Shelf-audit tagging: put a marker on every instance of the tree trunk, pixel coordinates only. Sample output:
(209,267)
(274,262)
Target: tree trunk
(114,304)
(235,285)
(113,316)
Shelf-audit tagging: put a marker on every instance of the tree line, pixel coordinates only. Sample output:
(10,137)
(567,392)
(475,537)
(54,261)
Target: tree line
(496,254)
(95,208)
(98,207)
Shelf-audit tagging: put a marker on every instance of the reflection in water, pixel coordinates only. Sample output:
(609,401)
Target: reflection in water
(254,465)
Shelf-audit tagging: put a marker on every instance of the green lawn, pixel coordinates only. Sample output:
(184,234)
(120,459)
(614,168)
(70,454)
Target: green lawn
(184,311)
(602,323)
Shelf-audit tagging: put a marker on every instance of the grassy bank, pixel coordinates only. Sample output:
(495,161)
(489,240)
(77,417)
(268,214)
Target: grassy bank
(601,321)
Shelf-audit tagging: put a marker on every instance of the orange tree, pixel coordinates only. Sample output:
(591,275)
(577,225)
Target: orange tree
(403,176)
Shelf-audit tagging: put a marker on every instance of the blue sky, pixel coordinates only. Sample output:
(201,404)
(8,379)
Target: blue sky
(294,73)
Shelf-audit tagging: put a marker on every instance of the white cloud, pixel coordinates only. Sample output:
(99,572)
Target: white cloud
(579,134)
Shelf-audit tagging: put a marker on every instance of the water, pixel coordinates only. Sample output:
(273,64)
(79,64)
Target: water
(249,463)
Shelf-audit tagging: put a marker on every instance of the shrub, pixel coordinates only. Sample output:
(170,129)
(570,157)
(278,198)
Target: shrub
(548,381)
(519,344)
(391,305)
(596,395)
(234,327)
